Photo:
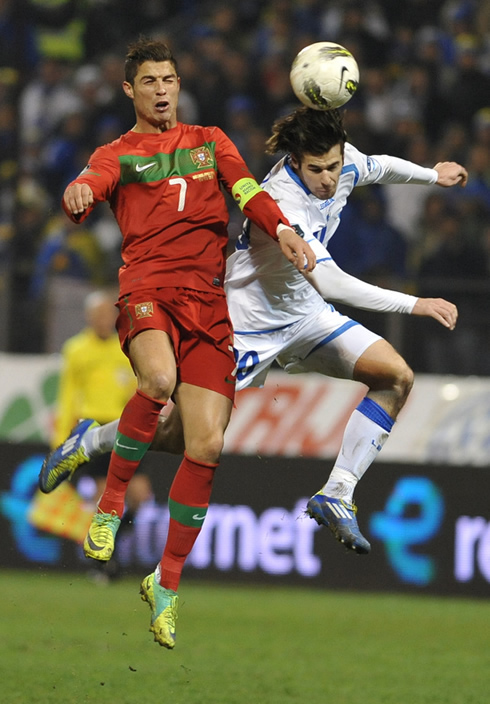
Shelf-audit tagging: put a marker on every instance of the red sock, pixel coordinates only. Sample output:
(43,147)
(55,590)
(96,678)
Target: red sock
(188,503)
(135,432)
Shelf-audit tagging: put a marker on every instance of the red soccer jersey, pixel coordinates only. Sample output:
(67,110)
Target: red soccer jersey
(164,190)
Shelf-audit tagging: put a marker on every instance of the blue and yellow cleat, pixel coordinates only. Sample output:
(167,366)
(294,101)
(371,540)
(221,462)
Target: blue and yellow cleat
(101,536)
(61,463)
(340,517)
(163,604)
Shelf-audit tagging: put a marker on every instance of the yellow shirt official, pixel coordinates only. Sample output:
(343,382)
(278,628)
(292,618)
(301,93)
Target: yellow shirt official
(96,381)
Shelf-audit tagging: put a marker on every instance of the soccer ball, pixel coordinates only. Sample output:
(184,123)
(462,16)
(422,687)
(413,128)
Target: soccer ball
(324,75)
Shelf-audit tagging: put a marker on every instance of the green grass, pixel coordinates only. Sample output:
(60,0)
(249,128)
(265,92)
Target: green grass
(68,641)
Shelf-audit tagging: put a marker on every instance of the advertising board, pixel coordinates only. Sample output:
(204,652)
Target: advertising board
(429,527)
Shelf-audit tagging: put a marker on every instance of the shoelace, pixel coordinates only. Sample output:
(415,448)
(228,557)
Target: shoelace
(170,613)
(104,522)
(350,507)
(173,608)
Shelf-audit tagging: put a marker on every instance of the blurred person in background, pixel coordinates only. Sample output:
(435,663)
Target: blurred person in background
(59,27)
(96,382)
(377,99)
(428,223)
(369,246)
(18,49)
(67,251)
(404,207)
(453,143)
(31,216)
(475,204)
(360,24)
(456,266)
(468,90)
(481,126)
(44,101)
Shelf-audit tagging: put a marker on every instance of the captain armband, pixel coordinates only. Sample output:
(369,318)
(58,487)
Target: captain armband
(244,190)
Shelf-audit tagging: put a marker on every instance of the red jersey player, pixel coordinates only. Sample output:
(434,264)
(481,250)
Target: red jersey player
(163,181)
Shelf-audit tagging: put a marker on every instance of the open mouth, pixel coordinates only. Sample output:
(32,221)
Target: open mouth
(162,105)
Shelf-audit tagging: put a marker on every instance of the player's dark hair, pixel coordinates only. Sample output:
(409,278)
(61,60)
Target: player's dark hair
(307,131)
(145,49)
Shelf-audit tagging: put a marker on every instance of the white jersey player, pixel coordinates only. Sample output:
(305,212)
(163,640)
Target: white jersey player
(283,315)
(279,314)
(267,297)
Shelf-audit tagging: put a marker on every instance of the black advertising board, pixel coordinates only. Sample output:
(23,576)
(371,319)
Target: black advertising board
(429,526)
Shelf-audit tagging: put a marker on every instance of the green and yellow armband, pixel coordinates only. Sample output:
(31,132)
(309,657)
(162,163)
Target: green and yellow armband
(244,190)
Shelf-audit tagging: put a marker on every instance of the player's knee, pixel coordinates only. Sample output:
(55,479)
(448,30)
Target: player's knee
(159,385)
(395,378)
(403,379)
(206,448)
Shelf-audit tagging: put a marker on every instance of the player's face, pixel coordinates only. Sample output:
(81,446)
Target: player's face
(155,93)
(320,174)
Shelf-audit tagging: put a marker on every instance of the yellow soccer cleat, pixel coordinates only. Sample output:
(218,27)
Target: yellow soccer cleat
(163,604)
(61,463)
(99,542)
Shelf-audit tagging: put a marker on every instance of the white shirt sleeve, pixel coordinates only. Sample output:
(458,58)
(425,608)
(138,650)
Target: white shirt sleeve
(382,168)
(395,170)
(334,284)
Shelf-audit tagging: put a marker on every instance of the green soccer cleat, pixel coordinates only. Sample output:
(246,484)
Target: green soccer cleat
(163,604)
(99,542)
(61,463)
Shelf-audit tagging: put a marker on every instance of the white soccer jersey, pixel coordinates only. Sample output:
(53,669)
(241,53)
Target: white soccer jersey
(264,291)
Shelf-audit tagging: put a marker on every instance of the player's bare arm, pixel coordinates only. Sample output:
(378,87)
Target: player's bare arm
(296,250)
(443,311)
(78,197)
(451,174)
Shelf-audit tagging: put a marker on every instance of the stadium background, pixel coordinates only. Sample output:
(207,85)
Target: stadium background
(425,96)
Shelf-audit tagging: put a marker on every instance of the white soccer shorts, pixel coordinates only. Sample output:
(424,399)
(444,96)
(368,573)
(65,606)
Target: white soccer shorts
(327,343)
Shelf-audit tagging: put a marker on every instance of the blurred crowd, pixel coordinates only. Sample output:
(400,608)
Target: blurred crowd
(424,95)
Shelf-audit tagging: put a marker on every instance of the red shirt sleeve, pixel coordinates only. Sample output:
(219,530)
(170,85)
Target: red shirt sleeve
(102,175)
(261,208)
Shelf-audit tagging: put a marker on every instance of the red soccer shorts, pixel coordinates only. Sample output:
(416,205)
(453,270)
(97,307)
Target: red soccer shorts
(197,323)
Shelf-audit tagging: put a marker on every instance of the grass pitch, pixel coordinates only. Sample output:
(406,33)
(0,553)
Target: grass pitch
(68,641)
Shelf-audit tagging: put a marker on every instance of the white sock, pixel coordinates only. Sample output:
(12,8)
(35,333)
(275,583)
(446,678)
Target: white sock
(365,434)
(100,440)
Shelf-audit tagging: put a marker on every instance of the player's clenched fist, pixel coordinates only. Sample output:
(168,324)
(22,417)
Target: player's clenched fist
(78,198)
(449,173)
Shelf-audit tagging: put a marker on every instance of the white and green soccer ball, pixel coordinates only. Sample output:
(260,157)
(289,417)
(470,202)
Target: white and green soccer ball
(324,75)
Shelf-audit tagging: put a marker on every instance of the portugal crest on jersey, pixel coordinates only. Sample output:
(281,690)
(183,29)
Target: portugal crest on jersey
(144,310)
(201,157)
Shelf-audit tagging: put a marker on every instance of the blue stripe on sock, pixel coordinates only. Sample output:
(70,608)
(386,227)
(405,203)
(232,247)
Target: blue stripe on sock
(374,412)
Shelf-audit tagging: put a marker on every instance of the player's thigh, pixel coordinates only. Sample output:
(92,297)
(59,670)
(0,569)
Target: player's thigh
(152,356)
(205,415)
(206,357)
(331,344)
